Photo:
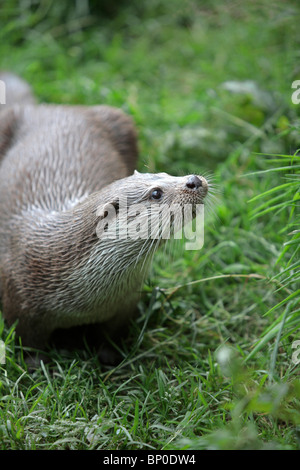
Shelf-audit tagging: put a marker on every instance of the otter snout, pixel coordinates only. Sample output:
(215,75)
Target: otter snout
(193,182)
(197,184)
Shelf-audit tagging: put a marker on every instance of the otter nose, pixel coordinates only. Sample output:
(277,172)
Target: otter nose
(193,182)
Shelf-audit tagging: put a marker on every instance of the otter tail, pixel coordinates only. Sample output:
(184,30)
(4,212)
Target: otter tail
(14,90)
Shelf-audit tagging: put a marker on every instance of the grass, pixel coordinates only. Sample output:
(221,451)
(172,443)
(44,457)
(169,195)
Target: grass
(208,365)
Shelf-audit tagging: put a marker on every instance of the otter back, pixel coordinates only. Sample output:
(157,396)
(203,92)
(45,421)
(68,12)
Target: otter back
(51,158)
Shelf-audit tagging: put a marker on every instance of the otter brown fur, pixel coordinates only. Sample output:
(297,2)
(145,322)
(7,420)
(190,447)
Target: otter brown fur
(59,165)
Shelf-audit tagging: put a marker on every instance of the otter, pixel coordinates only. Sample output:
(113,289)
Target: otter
(61,167)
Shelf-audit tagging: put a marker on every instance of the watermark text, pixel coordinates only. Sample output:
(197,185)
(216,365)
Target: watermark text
(2,352)
(2,92)
(296,94)
(157,222)
(296,354)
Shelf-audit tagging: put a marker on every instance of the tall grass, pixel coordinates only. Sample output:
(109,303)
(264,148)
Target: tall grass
(283,197)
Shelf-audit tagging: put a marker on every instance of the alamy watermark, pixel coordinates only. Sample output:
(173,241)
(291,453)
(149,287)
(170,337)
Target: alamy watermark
(296,94)
(296,354)
(157,222)
(2,352)
(2,92)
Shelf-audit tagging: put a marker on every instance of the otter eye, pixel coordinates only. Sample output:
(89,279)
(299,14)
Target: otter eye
(156,194)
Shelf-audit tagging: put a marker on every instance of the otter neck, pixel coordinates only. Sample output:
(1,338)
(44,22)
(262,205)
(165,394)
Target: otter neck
(70,265)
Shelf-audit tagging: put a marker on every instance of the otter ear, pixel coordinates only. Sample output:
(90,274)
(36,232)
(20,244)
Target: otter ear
(8,126)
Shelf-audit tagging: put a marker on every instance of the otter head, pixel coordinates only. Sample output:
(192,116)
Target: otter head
(147,207)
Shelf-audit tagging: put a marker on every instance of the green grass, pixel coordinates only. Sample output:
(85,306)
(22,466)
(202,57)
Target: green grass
(208,365)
